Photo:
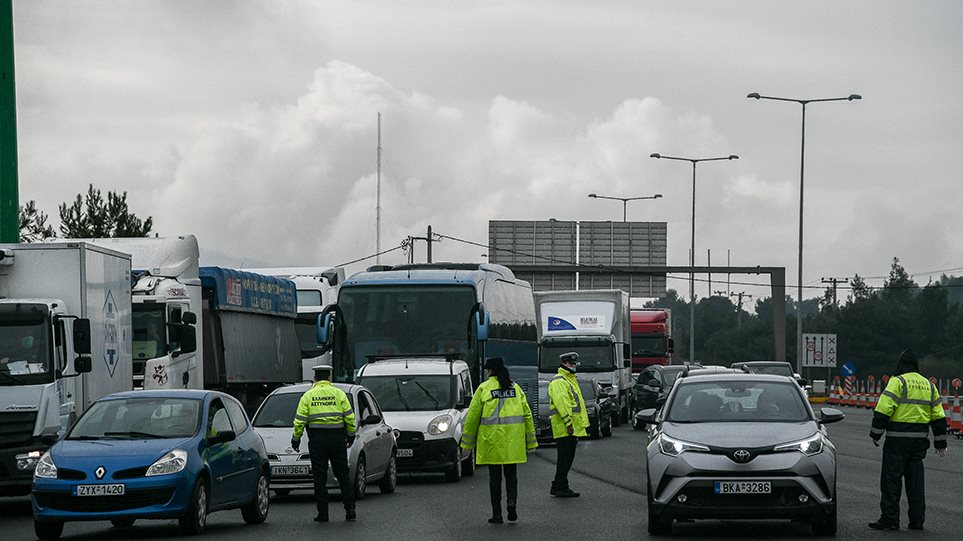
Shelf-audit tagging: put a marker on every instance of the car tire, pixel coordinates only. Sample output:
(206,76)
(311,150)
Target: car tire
(282,492)
(48,530)
(256,512)
(825,525)
(594,430)
(193,521)
(453,474)
(389,482)
(468,465)
(360,479)
(123,522)
(607,427)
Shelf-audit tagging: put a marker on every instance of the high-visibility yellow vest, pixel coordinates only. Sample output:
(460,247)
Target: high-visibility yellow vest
(499,424)
(324,406)
(566,405)
(911,402)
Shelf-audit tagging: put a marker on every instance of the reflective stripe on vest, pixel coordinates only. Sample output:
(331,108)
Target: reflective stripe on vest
(494,419)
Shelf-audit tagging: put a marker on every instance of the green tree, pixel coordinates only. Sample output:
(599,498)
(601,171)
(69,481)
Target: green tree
(33,224)
(859,290)
(91,216)
(899,285)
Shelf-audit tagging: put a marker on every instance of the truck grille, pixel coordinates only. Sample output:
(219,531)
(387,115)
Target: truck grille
(16,428)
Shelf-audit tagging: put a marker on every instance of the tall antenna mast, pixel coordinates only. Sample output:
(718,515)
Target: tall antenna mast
(378,203)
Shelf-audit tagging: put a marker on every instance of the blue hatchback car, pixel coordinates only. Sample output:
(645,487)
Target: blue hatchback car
(153,455)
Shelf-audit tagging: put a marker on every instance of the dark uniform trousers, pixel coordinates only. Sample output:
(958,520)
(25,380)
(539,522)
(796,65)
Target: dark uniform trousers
(495,484)
(902,459)
(566,456)
(324,445)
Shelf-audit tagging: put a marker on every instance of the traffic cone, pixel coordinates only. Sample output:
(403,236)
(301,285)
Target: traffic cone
(833,395)
(956,421)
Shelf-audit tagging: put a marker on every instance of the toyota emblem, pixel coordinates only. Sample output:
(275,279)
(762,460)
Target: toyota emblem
(100,472)
(742,455)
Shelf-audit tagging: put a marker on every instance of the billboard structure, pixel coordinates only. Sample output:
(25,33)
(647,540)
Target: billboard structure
(550,254)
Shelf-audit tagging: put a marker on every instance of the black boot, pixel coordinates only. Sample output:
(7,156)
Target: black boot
(350,515)
(496,519)
(567,493)
(512,515)
(880,525)
(555,488)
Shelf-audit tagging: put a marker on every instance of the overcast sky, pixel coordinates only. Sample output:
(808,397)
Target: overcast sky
(253,125)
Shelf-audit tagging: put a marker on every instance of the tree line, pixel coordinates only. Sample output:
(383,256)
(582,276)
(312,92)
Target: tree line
(873,325)
(90,215)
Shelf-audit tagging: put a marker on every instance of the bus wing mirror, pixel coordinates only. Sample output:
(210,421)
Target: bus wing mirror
(481,325)
(188,338)
(82,336)
(324,327)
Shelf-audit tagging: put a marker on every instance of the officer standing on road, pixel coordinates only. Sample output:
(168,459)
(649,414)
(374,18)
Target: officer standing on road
(907,410)
(326,412)
(499,424)
(569,421)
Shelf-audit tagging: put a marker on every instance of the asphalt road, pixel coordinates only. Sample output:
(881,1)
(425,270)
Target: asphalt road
(610,475)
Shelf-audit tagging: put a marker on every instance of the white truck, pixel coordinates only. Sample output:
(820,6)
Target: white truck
(167,286)
(594,324)
(65,341)
(317,288)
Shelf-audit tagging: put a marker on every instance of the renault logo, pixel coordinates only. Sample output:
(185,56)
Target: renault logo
(100,472)
(741,455)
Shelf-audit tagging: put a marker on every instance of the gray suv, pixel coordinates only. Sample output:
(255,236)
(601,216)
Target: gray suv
(740,446)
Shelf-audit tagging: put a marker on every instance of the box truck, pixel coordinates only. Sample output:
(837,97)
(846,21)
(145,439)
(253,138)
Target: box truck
(594,324)
(652,341)
(65,341)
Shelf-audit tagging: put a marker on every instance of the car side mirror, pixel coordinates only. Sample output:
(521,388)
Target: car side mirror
(188,338)
(830,415)
(660,401)
(372,419)
(646,416)
(82,365)
(803,382)
(223,436)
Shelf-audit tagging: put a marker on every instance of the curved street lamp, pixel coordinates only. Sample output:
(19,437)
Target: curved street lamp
(802,167)
(693,161)
(625,200)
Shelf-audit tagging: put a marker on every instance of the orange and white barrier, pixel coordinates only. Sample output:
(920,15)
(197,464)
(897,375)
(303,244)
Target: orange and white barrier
(956,420)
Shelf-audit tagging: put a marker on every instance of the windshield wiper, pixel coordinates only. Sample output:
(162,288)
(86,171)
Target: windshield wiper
(11,377)
(403,402)
(135,433)
(433,401)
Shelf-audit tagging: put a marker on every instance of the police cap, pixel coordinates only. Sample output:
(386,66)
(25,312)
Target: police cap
(570,357)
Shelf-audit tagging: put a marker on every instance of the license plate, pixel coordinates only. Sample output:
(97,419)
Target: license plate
(100,490)
(406,452)
(743,487)
(281,471)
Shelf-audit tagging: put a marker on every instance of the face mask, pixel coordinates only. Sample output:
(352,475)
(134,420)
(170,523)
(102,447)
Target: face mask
(571,370)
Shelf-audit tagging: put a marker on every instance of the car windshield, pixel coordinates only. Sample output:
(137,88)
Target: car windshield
(279,409)
(410,393)
(774,369)
(669,375)
(737,401)
(139,418)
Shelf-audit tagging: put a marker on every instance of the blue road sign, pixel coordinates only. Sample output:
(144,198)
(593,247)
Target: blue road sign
(848,369)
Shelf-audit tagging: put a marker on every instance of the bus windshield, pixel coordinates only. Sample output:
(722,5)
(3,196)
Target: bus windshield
(400,320)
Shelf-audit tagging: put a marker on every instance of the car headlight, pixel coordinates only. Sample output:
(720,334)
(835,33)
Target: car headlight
(439,425)
(46,469)
(673,447)
(172,462)
(810,446)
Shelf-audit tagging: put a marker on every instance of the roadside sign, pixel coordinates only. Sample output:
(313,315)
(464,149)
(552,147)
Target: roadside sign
(886,378)
(820,350)
(848,369)
(934,381)
(871,378)
(957,383)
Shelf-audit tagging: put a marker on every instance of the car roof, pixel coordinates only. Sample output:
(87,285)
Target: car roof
(762,363)
(301,388)
(731,375)
(196,394)
(395,367)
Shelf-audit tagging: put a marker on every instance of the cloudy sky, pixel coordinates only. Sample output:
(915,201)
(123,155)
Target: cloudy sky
(253,125)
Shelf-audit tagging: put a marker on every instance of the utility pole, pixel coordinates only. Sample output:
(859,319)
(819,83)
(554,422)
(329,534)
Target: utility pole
(739,295)
(709,263)
(427,238)
(378,200)
(9,189)
(835,282)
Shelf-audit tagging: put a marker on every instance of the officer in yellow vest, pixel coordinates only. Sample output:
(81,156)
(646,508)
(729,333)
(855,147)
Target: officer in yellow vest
(325,411)
(907,410)
(499,425)
(569,421)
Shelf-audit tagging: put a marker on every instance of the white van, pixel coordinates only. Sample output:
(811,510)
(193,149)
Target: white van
(426,400)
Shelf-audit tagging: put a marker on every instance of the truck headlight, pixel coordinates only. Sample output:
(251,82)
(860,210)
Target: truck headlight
(172,462)
(28,461)
(810,446)
(439,425)
(46,469)
(673,447)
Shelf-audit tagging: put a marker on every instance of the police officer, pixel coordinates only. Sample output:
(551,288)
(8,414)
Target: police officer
(499,424)
(326,412)
(569,421)
(907,410)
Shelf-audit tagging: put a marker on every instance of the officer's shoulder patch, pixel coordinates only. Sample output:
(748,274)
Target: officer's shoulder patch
(503,393)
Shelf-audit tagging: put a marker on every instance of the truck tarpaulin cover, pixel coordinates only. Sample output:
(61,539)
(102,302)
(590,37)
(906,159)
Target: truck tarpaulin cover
(240,291)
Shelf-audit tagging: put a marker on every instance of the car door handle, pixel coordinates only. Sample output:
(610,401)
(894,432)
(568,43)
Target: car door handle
(377,433)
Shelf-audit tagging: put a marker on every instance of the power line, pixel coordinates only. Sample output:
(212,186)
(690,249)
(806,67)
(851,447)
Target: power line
(400,246)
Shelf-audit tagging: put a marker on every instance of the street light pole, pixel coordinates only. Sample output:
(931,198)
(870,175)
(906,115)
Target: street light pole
(693,161)
(624,200)
(802,172)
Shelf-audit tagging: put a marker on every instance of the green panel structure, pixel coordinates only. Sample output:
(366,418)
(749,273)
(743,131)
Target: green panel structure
(9,194)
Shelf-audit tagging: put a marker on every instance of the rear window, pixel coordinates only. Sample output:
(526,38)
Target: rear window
(737,401)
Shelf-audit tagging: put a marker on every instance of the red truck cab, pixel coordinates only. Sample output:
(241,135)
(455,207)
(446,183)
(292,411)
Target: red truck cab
(651,340)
